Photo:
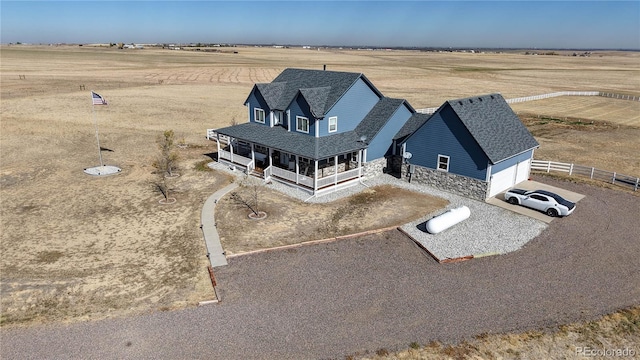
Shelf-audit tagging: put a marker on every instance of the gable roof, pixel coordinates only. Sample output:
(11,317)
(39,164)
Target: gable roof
(494,125)
(321,89)
(378,117)
(415,121)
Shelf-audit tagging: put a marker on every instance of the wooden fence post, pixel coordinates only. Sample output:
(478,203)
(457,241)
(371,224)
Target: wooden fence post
(614,178)
(571,170)
(592,169)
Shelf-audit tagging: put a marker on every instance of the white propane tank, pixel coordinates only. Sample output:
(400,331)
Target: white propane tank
(448,219)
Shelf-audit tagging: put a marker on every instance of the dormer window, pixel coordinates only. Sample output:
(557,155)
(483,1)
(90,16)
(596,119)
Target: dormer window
(333,124)
(302,124)
(258,115)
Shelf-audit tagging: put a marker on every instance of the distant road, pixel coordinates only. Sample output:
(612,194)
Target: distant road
(379,291)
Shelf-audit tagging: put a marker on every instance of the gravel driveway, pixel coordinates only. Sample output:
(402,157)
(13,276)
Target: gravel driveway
(377,291)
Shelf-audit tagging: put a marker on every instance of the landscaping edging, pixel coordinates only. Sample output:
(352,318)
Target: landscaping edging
(312,242)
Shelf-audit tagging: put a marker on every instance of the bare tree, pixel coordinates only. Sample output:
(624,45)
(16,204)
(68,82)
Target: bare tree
(250,198)
(167,159)
(166,162)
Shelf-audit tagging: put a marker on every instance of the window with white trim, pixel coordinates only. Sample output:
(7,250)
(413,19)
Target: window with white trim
(333,124)
(443,162)
(302,124)
(258,115)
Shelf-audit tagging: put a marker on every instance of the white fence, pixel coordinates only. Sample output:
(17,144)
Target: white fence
(590,172)
(552,95)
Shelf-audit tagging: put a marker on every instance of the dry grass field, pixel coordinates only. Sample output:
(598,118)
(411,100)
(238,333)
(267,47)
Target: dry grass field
(77,247)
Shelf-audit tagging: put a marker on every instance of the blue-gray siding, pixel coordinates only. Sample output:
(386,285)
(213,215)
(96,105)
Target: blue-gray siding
(445,134)
(511,161)
(351,108)
(299,107)
(381,143)
(256,100)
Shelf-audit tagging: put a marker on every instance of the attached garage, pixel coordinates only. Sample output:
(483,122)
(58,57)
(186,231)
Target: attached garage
(479,138)
(509,177)
(502,180)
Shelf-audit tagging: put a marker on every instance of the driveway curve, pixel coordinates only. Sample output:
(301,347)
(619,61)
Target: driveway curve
(377,291)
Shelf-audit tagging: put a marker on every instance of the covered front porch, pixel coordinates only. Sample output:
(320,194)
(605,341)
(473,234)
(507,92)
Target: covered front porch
(315,175)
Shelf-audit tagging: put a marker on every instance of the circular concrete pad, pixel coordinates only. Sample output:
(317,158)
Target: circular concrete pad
(102,170)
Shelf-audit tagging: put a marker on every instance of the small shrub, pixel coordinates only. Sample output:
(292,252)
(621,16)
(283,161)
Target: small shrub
(382,352)
(414,345)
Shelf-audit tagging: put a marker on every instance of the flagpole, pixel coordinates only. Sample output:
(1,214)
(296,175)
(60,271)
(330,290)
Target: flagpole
(95,124)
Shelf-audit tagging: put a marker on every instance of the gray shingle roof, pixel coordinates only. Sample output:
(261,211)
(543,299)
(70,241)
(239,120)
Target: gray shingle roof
(494,125)
(378,117)
(328,87)
(317,99)
(415,121)
(319,148)
(291,142)
(271,92)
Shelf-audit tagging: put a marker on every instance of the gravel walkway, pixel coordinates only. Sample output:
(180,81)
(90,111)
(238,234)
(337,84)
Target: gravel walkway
(376,292)
(490,230)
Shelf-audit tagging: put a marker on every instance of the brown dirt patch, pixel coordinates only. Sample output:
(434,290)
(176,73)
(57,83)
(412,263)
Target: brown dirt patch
(292,221)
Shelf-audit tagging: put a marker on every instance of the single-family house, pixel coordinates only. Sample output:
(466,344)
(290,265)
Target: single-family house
(314,129)
(324,130)
(476,146)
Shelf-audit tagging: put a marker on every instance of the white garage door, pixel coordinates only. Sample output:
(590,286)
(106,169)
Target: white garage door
(502,180)
(522,173)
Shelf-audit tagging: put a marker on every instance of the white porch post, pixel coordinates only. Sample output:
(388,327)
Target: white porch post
(297,169)
(270,162)
(335,168)
(230,149)
(315,176)
(218,145)
(360,163)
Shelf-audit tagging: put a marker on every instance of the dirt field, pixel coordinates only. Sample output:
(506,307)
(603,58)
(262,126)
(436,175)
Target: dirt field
(77,247)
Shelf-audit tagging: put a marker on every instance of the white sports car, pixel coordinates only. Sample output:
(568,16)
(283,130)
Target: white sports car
(550,203)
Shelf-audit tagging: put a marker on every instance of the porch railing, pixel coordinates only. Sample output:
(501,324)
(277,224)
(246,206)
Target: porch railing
(267,173)
(238,159)
(342,176)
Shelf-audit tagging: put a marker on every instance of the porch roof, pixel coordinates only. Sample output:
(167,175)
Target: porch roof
(294,143)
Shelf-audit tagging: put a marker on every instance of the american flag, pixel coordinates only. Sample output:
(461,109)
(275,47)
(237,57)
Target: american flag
(97,99)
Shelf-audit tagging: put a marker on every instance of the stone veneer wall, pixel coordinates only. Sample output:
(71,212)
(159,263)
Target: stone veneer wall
(374,168)
(457,184)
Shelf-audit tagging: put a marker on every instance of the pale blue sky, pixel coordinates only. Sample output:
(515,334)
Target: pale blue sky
(521,24)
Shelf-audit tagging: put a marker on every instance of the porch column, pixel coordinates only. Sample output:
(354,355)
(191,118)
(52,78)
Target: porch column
(231,150)
(335,168)
(297,168)
(360,163)
(270,162)
(253,157)
(218,145)
(315,176)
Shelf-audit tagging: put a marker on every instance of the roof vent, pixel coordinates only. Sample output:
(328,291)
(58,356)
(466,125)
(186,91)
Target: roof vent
(470,101)
(492,97)
(480,99)
(460,102)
